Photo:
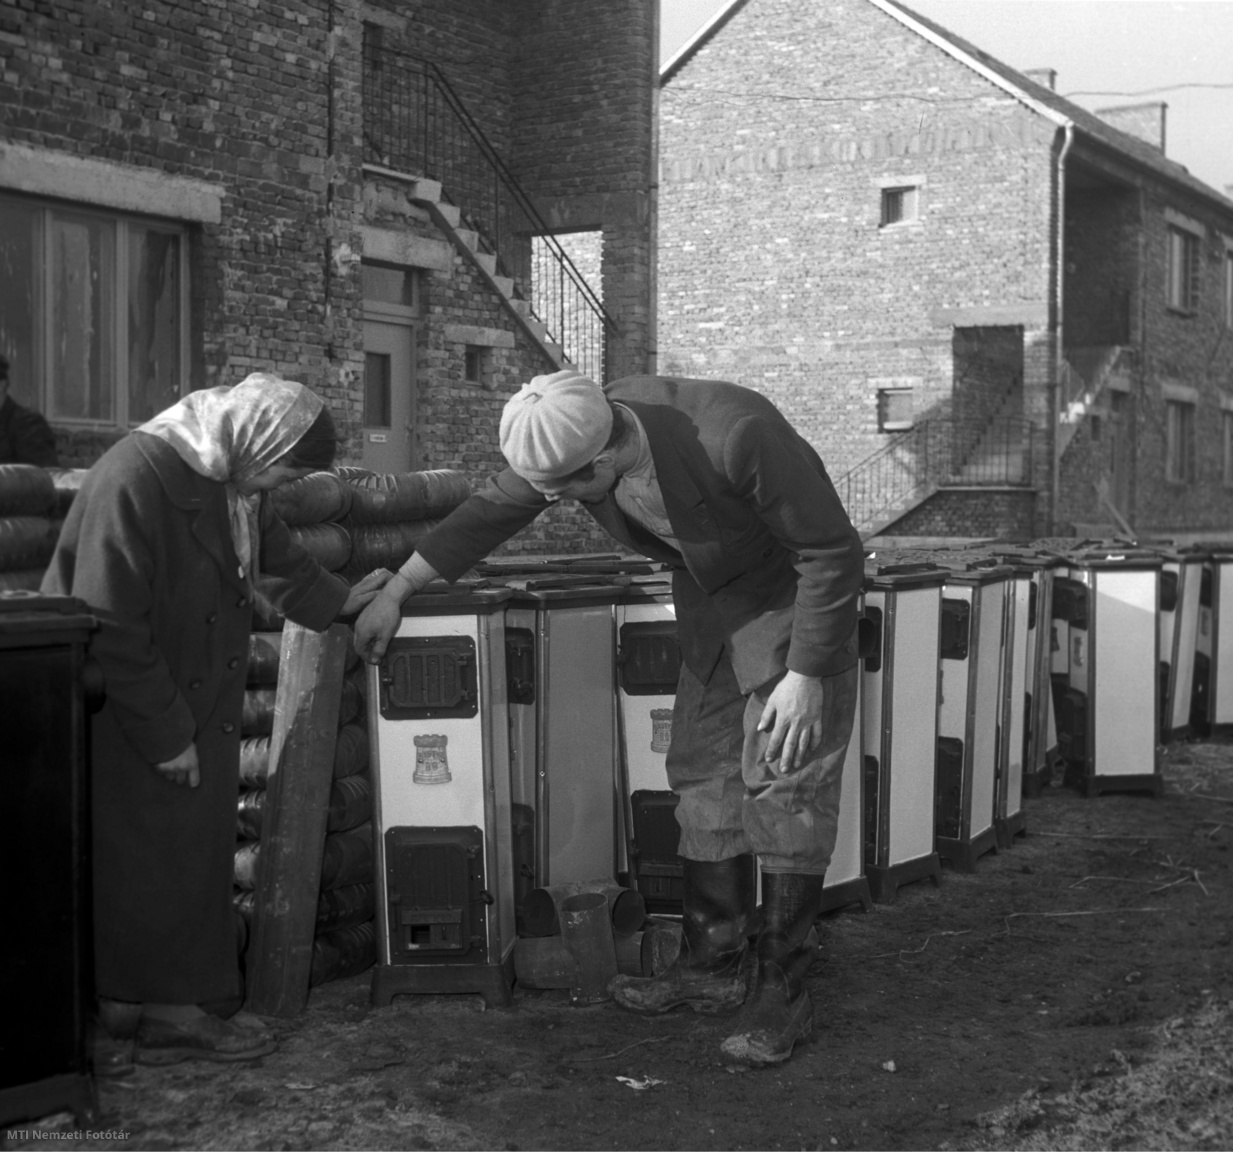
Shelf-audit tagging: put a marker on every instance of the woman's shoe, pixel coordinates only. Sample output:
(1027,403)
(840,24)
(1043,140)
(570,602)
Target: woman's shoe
(111,1058)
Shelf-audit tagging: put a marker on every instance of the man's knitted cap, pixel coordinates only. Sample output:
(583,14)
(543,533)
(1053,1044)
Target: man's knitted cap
(554,425)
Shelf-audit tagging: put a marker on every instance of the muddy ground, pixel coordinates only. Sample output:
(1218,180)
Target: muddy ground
(1074,992)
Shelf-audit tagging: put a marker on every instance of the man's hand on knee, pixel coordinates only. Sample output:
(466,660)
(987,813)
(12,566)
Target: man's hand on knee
(793,717)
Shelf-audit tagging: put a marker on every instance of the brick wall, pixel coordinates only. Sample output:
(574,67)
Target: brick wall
(1100,281)
(225,93)
(976,513)
(583,146)
(266,104)
(777,140)
(1190,355)
(1190,350)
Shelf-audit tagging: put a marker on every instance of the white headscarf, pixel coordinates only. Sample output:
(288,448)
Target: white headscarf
(231,434)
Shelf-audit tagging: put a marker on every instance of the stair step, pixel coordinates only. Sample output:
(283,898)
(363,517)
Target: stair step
(450,213)
(506,287)
(469,238)
(486,261)
(425,189)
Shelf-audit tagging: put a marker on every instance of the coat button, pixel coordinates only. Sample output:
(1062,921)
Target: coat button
(234,662)
(195,684)
(242,602)
(211,617)
(228,727)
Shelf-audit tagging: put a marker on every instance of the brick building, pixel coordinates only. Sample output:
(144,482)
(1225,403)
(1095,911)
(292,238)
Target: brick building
(990,310)
(390,202)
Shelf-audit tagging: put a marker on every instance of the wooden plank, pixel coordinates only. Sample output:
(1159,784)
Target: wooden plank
(311,666)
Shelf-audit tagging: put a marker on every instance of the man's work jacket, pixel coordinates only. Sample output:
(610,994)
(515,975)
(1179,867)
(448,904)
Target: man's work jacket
(769,563)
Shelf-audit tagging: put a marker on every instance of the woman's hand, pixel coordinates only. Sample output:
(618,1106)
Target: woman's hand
(182,769)
(376,627)
(363,591)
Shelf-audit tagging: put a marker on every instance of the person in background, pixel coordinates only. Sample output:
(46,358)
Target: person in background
(25,437)
(167,541)
(767,568)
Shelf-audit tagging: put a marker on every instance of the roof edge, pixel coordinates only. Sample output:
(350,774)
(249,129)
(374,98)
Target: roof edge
(895,12)
(698,39)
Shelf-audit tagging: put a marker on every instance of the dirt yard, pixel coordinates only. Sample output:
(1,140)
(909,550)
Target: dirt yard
(1075,992)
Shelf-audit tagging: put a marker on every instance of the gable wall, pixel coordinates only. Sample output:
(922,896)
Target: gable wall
(774,271)
(251,101)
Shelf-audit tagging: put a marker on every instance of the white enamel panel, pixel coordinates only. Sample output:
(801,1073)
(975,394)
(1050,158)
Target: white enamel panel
(1222,655)
(1018,669)
(986,658)
(913,729)
(1189,586)
(1124,708)
(577,715)
(847,861)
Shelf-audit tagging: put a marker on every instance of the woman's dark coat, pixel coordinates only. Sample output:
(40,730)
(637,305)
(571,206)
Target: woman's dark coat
(147,545)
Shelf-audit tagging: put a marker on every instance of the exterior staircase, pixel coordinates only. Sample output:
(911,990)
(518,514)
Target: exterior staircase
(937,453)
(1086,373)
(418,131)
(1000,454)
(428,195)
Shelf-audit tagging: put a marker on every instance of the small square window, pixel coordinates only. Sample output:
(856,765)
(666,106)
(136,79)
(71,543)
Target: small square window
(900,205)
(475,366)
(896,412)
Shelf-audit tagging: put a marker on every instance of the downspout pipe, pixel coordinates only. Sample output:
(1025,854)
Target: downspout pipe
(651,359)
(1055,439)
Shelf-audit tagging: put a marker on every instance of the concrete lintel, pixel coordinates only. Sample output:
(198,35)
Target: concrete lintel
(911,180)
(1186,223)
(370,14)
(1029,313)
(592,211)
(482,337)
(405,249)
(104,184)
(1184,393)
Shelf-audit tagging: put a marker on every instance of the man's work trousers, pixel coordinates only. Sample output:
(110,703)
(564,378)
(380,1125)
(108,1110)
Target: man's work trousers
(731,800)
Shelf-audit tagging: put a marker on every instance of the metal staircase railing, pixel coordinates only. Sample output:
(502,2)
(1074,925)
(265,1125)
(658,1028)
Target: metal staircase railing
(414,122)
(935,453)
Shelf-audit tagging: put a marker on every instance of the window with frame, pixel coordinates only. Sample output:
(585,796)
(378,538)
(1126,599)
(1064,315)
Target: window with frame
(1228,287)
(1179,442)
(1226,459)
(896,411)
(1183,270)
(93,312)
(900,205)
(385,284)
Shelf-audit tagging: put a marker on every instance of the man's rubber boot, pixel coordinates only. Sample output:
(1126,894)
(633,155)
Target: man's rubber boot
(779,1013)
(708,973)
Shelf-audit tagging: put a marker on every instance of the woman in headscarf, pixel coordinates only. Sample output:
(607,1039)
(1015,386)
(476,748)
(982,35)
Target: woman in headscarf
(167,541)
